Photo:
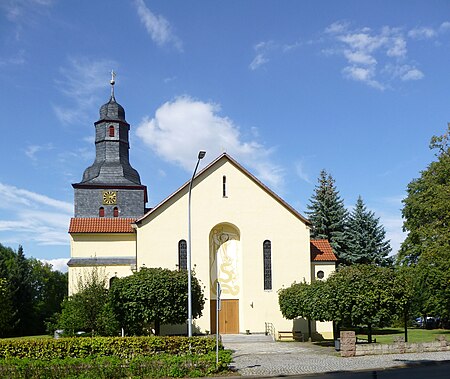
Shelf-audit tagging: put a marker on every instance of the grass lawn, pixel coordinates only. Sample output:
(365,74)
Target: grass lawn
(386,335)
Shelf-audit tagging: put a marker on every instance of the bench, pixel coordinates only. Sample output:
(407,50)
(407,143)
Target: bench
(291,336)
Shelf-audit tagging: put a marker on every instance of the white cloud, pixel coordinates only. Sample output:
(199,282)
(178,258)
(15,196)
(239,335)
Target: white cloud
(337,27)
(157,27)
(301,172)
(359,57)
(58,264)
(362,74)
(397,47)
(33,216)
(404,72)
(14,60)
(366,50)
(81,82)
(207,130)
(263,50)
(393,224)
(412,74)
(422,33)
(258,61)
(32,150)
(444,27)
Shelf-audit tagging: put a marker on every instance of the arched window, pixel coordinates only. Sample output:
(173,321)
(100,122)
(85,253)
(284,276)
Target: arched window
(224,186)
(116,212)
(101,212)
(112,280)
(267,257)
(111,131)
(182,255)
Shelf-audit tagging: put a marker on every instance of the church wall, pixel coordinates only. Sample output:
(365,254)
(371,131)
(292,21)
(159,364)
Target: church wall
(324,328)
(88,201)
(89,245)
(82,273)
(258,216)
(100,245)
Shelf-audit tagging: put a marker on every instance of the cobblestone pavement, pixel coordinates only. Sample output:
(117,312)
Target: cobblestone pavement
(259,355)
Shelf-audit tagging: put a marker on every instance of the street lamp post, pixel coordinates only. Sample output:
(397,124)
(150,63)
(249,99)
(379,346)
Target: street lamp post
(201,155)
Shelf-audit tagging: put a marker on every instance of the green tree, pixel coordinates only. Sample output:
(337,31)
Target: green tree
(6,309)
(304,300)
(21,293)
(49,288)
(426,209)
(89,309)
(152,297)
(327,213)
(365,238)
(365,295)
(357,295)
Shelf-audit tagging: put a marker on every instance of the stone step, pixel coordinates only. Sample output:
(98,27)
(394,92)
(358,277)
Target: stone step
(233,338)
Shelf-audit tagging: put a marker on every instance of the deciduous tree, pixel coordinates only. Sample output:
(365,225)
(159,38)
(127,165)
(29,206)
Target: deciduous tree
(89,309)
(152,297)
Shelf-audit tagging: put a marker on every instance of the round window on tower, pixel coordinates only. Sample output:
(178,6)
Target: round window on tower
(320,274)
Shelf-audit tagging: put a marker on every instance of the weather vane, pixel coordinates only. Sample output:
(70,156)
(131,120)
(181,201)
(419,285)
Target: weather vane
(113,81)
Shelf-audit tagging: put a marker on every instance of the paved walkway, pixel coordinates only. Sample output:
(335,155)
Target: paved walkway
(260,355)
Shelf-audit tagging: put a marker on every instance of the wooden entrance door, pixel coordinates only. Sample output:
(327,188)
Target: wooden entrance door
(228,317)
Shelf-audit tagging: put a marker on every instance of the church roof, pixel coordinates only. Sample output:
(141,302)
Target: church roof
(245,172)
(321,251)
(112,111)
(101,225)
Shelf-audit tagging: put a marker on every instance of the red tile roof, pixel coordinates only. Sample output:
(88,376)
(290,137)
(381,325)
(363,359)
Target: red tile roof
(321,250)
(101,225)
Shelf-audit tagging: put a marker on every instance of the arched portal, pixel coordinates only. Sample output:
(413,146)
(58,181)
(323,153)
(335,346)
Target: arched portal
(225,268)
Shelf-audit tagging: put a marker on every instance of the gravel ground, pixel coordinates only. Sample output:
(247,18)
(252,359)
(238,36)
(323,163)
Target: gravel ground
(260,356)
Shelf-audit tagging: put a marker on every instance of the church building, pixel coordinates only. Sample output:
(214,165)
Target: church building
(243,234)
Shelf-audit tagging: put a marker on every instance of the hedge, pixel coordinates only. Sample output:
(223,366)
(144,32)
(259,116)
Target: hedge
(156,366)
(121,347)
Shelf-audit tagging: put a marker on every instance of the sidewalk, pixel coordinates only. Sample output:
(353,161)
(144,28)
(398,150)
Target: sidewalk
(259,355)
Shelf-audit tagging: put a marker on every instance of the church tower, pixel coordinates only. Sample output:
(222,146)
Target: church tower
(110,186)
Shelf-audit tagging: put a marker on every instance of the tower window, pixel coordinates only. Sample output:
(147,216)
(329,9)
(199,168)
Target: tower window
(182,255)
(101,212)
(116,212)
(267,257)
(224,186)
(111,131)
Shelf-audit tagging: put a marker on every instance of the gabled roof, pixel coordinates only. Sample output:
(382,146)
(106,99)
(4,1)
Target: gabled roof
(321,251)
(101,225)
(245,172)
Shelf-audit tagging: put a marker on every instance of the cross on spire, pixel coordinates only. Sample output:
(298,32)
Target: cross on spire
(112,81)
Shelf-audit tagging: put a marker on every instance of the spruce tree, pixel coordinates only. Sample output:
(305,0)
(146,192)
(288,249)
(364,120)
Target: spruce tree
(327,213)
(365,238)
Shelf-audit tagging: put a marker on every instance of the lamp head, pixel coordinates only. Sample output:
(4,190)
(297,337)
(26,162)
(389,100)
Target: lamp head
(201,154)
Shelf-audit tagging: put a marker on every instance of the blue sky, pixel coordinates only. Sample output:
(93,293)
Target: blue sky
(286,87)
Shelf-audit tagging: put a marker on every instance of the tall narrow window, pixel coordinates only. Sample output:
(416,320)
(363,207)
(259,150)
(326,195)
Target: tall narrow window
(116,212)
(111,131)
(101,212)
(267,256)
(182,255)
(224,186)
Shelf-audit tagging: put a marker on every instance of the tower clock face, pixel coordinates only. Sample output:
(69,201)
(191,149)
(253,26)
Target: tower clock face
(109,197)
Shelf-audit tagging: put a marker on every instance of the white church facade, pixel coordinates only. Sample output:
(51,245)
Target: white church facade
(242,235)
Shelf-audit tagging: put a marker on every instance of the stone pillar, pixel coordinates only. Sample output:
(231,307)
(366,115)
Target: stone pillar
(443,342)
(399,342)
(348,344)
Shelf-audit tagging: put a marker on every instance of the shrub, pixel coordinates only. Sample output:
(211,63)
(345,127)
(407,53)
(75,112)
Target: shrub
(156,366)
(121,347)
